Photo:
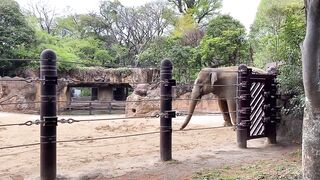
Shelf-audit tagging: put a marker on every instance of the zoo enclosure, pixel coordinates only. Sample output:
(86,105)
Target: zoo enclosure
(49,119)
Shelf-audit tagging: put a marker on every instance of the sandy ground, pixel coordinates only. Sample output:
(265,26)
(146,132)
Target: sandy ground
(127,157)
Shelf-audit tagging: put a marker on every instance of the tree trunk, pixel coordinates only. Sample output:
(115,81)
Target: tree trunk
(311,143)
(311,121)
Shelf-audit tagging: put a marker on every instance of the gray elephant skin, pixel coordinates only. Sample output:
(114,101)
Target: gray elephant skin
(222,83)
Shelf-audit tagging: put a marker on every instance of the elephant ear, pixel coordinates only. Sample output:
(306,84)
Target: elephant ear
(213,77)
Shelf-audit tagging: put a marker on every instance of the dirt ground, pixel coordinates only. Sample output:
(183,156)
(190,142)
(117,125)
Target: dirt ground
(135,157)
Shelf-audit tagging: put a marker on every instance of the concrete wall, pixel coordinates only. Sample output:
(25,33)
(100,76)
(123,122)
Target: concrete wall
(105,93)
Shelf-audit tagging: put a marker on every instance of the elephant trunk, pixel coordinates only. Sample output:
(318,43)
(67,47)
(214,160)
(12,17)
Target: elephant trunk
(194,99)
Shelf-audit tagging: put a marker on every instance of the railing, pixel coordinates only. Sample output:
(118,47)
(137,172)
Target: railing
(49,119)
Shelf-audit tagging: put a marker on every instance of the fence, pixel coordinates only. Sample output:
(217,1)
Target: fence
(257,106)
(48,114)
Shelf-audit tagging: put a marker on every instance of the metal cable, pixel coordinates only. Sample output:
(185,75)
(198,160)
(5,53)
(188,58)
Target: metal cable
(4,59)
(207,99)
(102,81)
(211,85)
(201,112)
(71,120)
(29,102)
(205,128)
(22,145)
(27,123)
(104,102)
(109,137)
(80,140)
(27,80)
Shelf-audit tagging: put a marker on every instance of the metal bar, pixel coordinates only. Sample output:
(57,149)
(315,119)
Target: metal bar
(243,116)
(270,127)
(48,113)
(165,106)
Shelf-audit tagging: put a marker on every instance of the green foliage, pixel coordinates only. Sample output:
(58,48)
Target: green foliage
(184,24)
(123,72)
(73,52)
(16,37)
(158,50)
(284,168)
(277,31)
(181,56)
(276,36)
(291,84)
(85,91)
(201,10)
(224,43)
(104,57)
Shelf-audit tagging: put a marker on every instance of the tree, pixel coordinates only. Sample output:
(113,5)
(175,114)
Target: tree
(45,14)
(16,37)
(275,36)
(132,28)
(311,122)
(224,42)
(269,32)
(200,9)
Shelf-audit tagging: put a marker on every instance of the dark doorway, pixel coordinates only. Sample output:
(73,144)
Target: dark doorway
(120,93)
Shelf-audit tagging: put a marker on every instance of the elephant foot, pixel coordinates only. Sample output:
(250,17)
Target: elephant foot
(226,124)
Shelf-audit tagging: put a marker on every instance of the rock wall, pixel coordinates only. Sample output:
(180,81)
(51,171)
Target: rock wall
(15,93)
(132,76)
(19,91)
(144,101)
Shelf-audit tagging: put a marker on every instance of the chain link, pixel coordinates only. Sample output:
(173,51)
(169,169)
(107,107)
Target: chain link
(30,123)
(69,120)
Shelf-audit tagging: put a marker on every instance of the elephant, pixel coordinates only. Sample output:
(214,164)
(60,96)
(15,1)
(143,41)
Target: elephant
(222,83)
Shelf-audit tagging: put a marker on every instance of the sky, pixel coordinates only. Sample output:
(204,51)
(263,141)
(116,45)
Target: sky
(243,10)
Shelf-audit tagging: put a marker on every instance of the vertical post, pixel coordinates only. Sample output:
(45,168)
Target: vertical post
(243,106)
(272,112)
(90,108)
(48,115)
(165,108)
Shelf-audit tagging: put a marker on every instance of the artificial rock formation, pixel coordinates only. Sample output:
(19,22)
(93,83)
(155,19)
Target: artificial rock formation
(16,93)
(144,101)
(21,90)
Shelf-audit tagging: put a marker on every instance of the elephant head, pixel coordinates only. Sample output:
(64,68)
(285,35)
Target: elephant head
(203,85)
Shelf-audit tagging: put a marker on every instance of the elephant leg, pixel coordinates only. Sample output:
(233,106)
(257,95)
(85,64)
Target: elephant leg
(232,111)
(224,109)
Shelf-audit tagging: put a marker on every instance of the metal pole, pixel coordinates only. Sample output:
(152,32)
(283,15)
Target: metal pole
(48,115)
(165,109)
(272,112)
(243,106)
(90,108)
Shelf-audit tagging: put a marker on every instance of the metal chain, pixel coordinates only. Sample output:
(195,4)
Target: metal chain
(69,121)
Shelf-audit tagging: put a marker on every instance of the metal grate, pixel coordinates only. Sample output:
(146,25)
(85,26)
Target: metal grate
(257,127)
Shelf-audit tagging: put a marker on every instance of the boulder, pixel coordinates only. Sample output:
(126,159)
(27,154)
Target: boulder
(138,105)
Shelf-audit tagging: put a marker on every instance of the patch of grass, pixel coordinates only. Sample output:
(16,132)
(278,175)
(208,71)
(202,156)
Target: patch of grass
(287,167)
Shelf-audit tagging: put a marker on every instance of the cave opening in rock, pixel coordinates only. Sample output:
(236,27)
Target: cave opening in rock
(98,96)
